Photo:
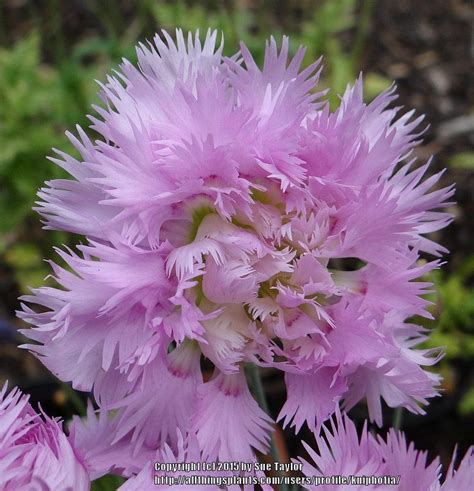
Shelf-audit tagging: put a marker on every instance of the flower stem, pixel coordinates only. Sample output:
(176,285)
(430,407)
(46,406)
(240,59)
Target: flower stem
(363,27)
(397,418)
(255,381)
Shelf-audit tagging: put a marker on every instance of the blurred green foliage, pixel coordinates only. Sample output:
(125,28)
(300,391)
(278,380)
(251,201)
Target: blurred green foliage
(453,326)
(28,126)
(454,311)
(466,406)
(37,103)
(463,160)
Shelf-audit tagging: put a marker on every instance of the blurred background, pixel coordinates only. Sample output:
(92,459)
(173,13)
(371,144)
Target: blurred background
(51,51)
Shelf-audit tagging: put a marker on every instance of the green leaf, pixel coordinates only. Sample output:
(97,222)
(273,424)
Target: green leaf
(463,160)
(107,483)
(466,405)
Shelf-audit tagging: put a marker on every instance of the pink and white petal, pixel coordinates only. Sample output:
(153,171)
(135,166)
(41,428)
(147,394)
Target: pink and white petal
(229,424)
(311,398)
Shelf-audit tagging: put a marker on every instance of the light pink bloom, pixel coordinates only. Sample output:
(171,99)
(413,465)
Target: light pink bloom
(221,204)
(188,453)
(228,420)
(94,438)
(35,454)
(463,476)
(342,452)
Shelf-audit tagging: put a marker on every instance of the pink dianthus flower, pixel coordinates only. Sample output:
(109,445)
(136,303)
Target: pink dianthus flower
(35,454)
(366,461)
(219,203)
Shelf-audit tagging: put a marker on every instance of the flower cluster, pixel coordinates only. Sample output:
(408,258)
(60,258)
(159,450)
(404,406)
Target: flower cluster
(35,454)
(342,454)
(230,215)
